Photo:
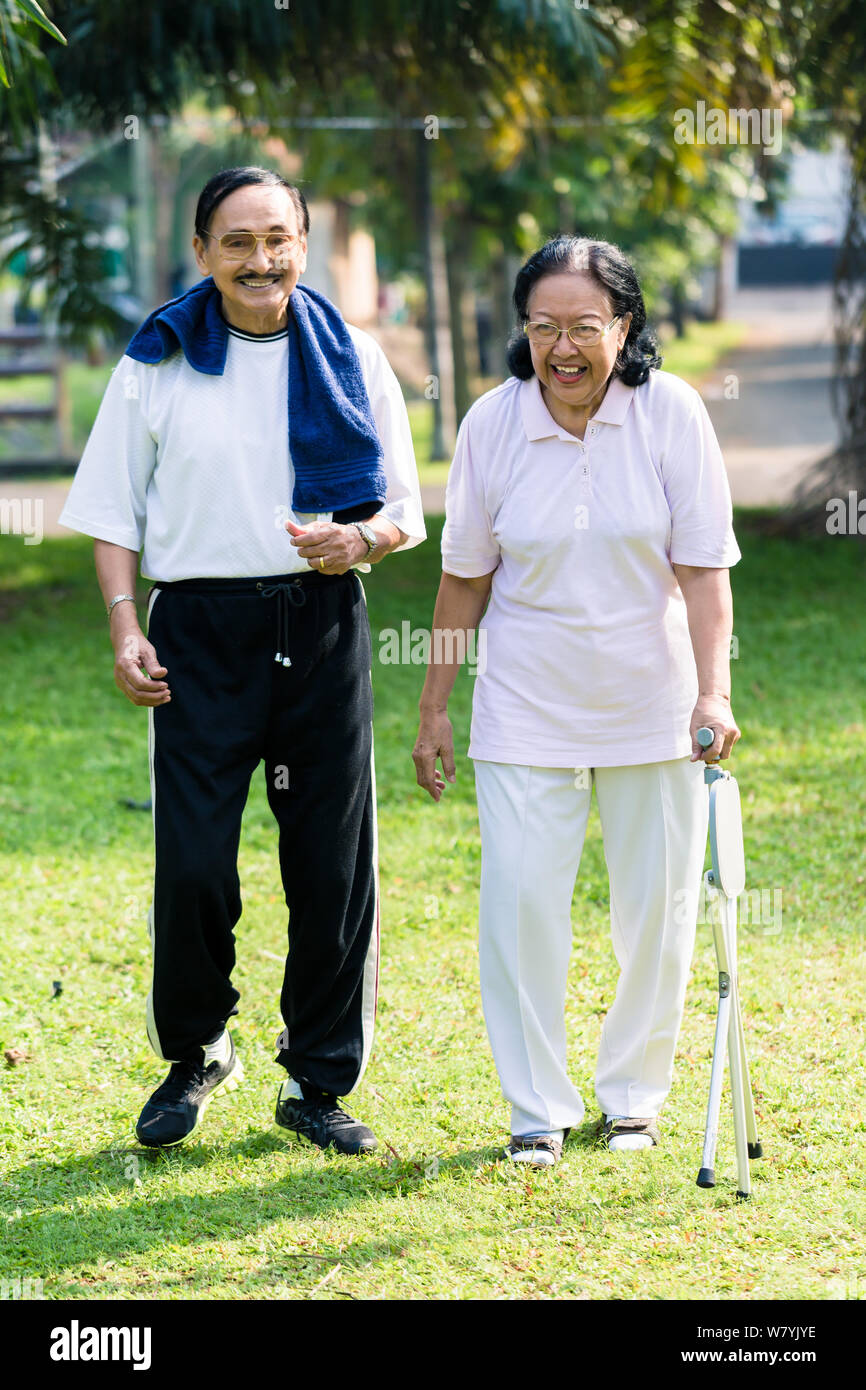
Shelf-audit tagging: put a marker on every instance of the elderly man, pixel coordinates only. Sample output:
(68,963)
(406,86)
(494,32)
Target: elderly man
(256,450)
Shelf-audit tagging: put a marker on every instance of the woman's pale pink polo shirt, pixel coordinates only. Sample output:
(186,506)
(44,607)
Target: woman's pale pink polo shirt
(587,658)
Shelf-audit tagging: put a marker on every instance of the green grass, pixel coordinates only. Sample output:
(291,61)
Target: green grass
(241,1214)
(701,347)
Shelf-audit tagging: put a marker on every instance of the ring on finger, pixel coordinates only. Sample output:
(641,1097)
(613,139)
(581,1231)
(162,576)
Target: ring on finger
(322,563)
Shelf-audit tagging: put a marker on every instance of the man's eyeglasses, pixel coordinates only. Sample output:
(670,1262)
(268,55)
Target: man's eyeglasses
(581,334)
(236,246)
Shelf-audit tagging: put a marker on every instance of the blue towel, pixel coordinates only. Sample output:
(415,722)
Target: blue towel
(333,442)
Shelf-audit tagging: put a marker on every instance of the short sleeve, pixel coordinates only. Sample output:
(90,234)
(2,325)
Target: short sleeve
(699,497)
(469,547)
(402,505)
(108,496)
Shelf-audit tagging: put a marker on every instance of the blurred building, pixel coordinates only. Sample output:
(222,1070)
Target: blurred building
(140,187)
(797,240)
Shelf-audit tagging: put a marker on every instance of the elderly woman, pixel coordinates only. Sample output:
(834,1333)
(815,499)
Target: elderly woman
(588,502)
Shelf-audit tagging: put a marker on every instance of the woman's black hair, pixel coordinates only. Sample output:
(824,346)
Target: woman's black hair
(613,273)
(228,180)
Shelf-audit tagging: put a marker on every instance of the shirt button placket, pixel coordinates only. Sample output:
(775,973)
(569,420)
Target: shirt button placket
(585,469)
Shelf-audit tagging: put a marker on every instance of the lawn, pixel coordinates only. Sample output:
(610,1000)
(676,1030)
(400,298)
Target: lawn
(243,1214)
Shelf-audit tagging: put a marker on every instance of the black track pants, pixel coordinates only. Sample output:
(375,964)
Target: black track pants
(231,706)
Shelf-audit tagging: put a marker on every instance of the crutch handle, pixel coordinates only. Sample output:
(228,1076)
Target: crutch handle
(706,738)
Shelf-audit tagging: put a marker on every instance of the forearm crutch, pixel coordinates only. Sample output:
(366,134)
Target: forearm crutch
(728,878)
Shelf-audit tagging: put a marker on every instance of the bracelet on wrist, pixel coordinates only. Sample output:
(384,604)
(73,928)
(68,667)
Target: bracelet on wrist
(119,598)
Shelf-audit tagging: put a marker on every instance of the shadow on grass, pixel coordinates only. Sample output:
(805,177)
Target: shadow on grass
(86,1245)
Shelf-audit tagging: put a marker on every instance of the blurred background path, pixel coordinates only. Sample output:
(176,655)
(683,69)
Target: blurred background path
(781,420)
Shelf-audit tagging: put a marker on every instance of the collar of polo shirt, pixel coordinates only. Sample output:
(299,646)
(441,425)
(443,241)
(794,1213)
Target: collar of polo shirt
(540,424)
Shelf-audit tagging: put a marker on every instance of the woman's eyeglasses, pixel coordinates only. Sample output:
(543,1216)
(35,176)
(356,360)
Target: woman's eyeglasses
(581,334)
(236,246)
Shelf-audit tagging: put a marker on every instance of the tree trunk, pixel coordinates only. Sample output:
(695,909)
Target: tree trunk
(500,315)
(144,274)
(726,268)
(678,309)
(165,170)
(464,330)
(439,345)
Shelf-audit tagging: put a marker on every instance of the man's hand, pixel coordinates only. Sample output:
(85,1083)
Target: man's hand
(132,651)
(327,546)
(435,740)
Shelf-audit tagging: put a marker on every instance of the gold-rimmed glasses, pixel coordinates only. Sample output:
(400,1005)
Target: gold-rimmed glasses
(581,334)
(236,246)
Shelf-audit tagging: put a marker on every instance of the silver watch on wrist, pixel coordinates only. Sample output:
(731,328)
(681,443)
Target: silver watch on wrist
(368,535)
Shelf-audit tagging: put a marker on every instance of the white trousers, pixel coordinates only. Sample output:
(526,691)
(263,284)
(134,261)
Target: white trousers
(533,822)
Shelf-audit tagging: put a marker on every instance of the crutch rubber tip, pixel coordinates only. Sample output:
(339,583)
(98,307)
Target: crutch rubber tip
(744,1196)
(755,1150)
(707,1177)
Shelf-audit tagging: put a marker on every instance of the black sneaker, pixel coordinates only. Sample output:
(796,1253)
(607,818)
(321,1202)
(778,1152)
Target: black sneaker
(322,1122)
(174,1110)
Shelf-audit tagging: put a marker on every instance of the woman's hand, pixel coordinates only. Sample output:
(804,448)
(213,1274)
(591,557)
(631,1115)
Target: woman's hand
(435,740)
(327,546)
(459,606)
(713,712)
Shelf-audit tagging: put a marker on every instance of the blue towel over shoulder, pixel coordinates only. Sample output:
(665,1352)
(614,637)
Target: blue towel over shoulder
(333,441)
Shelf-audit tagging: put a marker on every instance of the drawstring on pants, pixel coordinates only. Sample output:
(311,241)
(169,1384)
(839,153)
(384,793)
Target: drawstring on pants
(287,595)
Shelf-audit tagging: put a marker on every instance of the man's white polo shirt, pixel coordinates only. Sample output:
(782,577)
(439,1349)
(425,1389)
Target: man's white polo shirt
(588,657)
(194,470)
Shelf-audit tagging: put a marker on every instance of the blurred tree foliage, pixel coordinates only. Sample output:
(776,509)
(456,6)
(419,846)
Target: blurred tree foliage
(551,117)
(18,52)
